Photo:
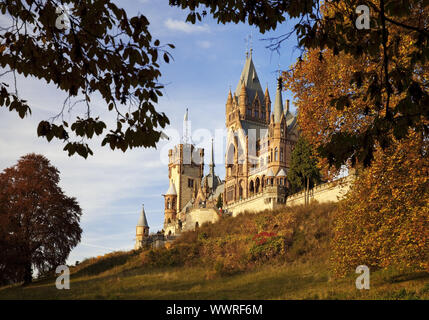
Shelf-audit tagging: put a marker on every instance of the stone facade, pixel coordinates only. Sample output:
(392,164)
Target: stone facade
(259,145)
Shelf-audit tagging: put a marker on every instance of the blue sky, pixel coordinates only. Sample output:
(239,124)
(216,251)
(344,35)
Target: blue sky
(111,186)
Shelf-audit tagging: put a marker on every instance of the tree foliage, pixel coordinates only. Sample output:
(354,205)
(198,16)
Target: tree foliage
(303,166)
(396,91)
(385,218)
(103,54)
(219,201)
(39,224)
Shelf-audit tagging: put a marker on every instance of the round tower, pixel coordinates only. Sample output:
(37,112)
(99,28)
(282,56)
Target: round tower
(142,230)
(170,198)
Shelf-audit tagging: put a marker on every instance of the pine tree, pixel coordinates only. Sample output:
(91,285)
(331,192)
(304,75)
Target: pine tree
(219,202)
(303,172)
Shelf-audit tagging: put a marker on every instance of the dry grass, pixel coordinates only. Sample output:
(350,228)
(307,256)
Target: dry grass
(226,261)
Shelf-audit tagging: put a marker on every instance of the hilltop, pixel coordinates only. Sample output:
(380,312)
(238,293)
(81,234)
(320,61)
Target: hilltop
(282,254)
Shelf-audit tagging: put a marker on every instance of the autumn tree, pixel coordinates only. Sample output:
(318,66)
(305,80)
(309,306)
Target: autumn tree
(303,172)
(39,223)
(384,220)
(99,52)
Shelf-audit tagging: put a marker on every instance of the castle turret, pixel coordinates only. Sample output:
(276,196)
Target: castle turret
(267,101)
(142,230)
(242,101)
(278,104)
(170,198)
(229,105)
(278,133)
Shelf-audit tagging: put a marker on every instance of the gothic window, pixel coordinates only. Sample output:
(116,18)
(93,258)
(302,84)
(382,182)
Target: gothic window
(276,154)
(256,114)
(168,204)
(281,154)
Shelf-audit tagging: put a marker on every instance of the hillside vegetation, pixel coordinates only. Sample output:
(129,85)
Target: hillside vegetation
(283,254)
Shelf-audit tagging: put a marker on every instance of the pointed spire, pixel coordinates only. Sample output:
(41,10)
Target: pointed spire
(186,128)
(171,190)
(142,220)
(186,115)
(212,164)
(250,80)
(229,99)
(278,104)
(267,95)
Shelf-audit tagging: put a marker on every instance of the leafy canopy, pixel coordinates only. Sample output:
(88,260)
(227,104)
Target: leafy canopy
(39,224)
(303,166)
(104,52)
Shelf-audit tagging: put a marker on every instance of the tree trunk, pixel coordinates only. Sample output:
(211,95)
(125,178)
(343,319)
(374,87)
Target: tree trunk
(308,190)
(28,273)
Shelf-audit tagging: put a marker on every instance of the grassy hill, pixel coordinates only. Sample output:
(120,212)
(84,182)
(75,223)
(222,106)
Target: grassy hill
(270,255)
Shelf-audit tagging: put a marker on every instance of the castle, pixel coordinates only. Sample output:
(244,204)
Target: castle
(258,154)
(259,146)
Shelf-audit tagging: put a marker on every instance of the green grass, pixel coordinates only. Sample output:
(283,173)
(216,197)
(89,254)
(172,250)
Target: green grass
(222,261)
(293,281)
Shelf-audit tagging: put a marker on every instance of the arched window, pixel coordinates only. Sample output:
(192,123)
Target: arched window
(281,154)
(168,204)
(276,154)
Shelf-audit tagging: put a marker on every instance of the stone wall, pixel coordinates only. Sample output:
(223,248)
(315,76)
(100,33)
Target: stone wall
(327,192)
(270,198)
(200,216)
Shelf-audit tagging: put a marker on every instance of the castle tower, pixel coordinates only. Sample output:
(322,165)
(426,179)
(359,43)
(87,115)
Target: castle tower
(185,172)
(245,123)
(170,198)
(278,135)
(142,230)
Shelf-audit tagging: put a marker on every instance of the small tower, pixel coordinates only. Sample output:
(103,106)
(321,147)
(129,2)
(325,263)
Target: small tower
(142,230)
(170,198)
(278,133)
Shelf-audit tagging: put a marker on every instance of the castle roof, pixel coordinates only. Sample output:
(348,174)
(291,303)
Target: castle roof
(270,173)
(171,190)
(281,173)
(142,220)
(250,80)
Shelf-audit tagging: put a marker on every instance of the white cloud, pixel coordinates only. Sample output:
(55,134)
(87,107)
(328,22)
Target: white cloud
(178,25)
(205,44)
